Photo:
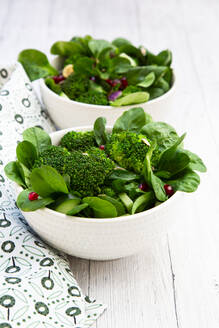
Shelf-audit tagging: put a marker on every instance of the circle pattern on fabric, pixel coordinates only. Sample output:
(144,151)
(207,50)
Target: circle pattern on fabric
(4,73)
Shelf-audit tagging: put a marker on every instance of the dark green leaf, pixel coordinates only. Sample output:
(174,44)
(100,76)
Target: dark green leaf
(66,48)
(164,58)
(13,173)
(148,80)
(137,74)
(171,160)
(123,174)
(155,92)
(164,134)
(120,42)
(26,205)
(119,65)
(26,153)
(47,181)
(101,208)
(100,131)
(186,180)
(38,137)
(131,120)
(36,64)
(98,46)
(196,162)
(131,99)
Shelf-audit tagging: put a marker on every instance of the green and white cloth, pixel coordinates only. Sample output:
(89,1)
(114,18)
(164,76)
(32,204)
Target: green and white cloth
(37,288)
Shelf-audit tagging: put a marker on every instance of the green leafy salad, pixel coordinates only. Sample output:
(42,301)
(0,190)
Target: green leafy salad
(100,72)
(104,173)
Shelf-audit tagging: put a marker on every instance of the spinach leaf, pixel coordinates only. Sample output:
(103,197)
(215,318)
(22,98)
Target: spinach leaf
(137,74)
(47,181)
(152,180)
(101,208)
(162,84)
(26,205)
(119,65)
(164,134)
(148,80)
(98,46)
(118,205)
(38,137)
(131,99)
(119,42)
(13,172)
(123,174)
(171,160)
(100,131)
(132,51)
(77,209)
(196,162)
(174,165)
(36,64)
(67,48)
(26,153)
(155,92)
(164,58)
(186,180)
(143,202)
(131,120)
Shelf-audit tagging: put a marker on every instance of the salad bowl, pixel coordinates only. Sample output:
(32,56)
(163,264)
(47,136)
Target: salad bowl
(69,113)
(103,238)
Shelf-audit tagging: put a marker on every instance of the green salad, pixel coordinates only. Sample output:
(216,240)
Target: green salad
(104,173)
(100,72)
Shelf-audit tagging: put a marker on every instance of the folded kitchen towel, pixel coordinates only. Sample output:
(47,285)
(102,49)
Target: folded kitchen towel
(37,287)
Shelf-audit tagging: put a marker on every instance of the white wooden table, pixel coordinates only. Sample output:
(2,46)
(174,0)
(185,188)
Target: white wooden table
(175,284)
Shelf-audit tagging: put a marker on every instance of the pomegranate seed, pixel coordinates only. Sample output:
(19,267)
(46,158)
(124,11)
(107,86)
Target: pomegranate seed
(169,190)
(109,81)
(59,78)
(33,196)
(101,147)
(143,186)
(124,82)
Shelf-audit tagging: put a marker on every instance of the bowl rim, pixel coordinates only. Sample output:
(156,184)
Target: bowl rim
(146,213)
(97,107)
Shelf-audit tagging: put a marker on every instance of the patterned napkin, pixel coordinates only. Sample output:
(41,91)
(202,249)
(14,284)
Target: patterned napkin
(37,288)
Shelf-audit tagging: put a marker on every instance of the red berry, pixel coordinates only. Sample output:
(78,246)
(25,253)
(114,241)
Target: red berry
(33,196)
(109,81)
(124,82)
(143,186)
(59,78)
(102,147)
(169,190)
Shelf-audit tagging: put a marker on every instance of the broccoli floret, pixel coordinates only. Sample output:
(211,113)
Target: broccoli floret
(78,140)
(75,85)
(128,149)
(100,154)
(109,192)
(93,97)
(54,156)
(87,172)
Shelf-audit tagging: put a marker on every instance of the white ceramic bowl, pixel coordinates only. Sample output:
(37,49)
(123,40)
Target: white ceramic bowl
(68,113)
(103,239)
